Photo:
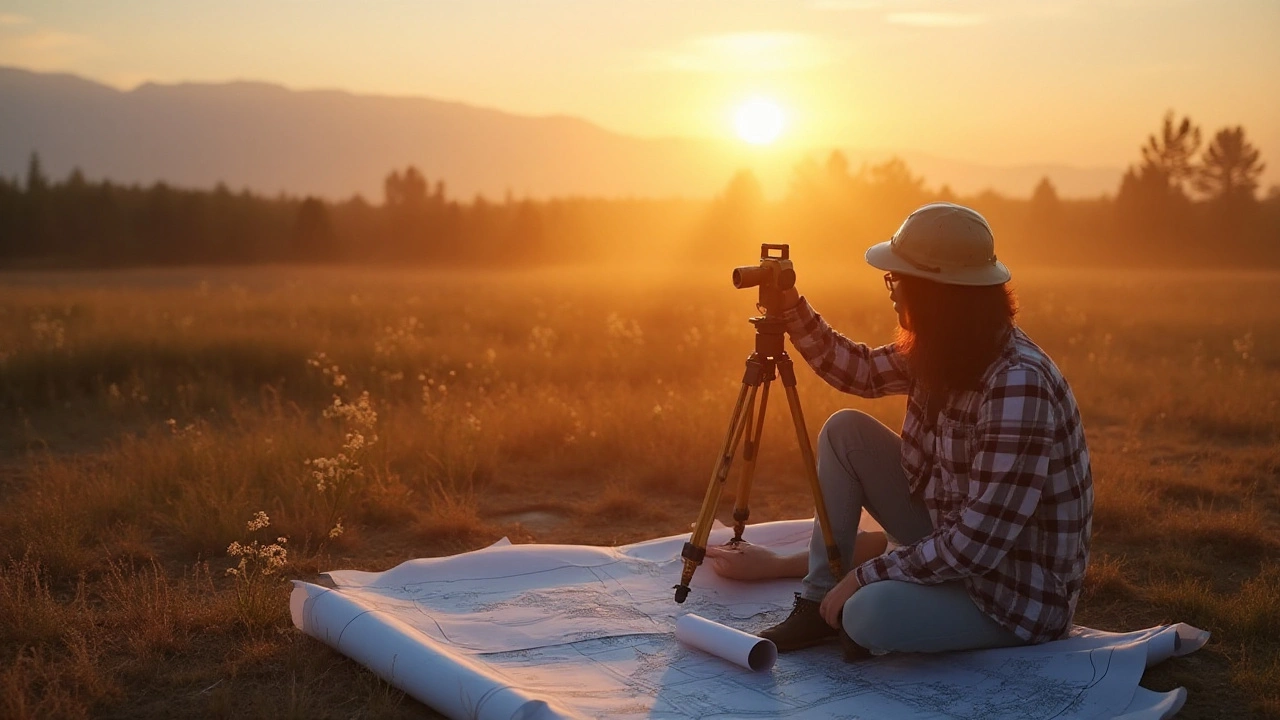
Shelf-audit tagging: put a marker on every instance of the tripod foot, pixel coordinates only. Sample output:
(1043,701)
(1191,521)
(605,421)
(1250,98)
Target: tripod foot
(682,592)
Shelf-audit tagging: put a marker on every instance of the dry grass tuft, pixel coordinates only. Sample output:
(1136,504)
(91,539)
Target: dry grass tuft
(68,679)
(622,501)
(452,516)
(1107,581)
(158,615)
(1257,678)
(29,612)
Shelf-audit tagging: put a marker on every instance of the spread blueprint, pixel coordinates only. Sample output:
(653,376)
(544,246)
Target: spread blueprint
(533,631)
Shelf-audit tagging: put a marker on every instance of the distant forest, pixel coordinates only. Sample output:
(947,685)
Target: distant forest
(1187,200)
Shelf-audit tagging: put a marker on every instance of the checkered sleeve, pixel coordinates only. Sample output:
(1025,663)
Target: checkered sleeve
(1013,441)
(846,365)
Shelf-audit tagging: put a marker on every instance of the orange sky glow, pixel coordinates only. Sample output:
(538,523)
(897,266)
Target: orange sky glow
(1008,82)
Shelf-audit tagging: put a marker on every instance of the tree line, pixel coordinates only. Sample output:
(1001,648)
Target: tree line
(1182,202)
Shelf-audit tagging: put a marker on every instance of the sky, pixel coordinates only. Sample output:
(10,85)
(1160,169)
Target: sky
(1007,82)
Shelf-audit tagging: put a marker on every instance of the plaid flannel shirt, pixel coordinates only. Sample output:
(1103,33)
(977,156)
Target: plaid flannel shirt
(1004,473)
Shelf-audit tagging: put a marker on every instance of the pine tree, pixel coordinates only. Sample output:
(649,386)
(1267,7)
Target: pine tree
(732,223)
(36,180)
(313,235)
(1173,153)
(1230,168)
(1045,213)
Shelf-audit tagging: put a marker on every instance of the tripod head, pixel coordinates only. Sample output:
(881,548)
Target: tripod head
(770,331)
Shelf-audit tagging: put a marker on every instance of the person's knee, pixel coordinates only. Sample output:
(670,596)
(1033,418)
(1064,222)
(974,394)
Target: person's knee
(871,616)
(845,426)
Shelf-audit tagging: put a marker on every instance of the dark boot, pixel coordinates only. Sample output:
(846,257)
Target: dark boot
(803,628)
(853,652)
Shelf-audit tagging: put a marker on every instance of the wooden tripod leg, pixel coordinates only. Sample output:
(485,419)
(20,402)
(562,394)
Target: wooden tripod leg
(741,509)
(696,549)
(787,371)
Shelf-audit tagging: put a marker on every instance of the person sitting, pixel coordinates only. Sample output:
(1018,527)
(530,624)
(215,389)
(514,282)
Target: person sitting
(987,494)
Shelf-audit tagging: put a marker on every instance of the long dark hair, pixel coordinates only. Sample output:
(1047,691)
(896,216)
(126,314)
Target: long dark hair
(954,332)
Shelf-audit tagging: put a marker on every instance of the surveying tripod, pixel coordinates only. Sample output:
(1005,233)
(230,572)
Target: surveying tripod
(774,275)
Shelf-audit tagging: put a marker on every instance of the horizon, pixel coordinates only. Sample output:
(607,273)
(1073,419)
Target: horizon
(661,74)
(796,154)
(773,168)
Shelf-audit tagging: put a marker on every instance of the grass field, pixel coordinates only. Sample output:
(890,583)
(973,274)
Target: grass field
(146,417)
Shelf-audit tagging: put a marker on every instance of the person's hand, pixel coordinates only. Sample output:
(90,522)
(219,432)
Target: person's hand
(743,561)
(790,298)
(833,604)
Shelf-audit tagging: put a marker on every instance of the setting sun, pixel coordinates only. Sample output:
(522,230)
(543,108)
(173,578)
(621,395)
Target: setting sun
(759,121)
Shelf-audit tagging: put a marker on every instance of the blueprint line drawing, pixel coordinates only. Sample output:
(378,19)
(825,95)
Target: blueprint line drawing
(559,631)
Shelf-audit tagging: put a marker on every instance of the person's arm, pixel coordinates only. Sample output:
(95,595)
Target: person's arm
(846,365)
(1006,478)
(745,561)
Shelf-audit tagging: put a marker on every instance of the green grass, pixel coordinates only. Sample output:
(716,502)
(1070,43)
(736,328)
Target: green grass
(576,406)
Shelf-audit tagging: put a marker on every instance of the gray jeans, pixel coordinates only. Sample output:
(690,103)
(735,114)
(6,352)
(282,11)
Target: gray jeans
(859,467)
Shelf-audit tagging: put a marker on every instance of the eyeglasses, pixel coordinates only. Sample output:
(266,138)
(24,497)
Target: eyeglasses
(890,282)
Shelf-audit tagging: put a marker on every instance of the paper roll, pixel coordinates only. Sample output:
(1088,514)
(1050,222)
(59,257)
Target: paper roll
(739,648)
(450,683)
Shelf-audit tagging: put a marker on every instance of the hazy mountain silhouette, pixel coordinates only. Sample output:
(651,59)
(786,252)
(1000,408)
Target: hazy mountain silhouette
(332,143)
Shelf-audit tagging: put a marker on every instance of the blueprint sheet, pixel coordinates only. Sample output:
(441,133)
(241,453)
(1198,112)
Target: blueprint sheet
(525,631)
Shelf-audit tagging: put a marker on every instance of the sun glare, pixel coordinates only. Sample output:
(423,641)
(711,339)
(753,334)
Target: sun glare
(759,121)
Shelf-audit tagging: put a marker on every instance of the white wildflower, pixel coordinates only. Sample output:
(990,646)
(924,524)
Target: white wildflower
(259,521)
(359,414)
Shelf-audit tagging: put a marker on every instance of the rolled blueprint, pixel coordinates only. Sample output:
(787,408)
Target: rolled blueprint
(737,647)
(451,684)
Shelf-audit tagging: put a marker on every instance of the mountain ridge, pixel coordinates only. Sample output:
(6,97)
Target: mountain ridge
(336,143)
